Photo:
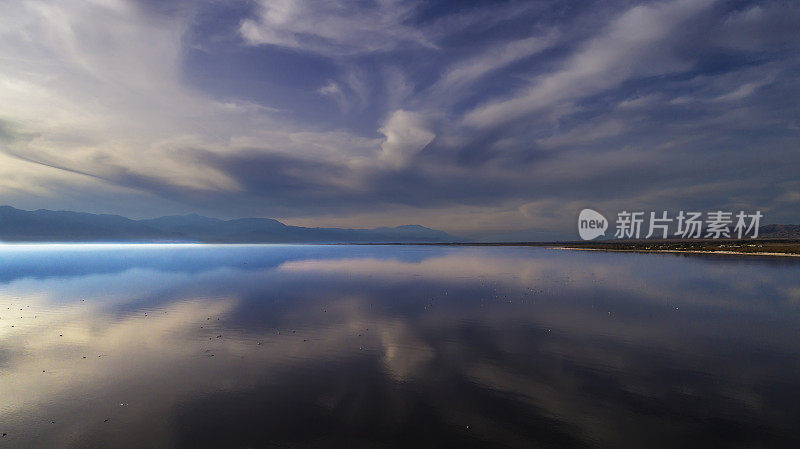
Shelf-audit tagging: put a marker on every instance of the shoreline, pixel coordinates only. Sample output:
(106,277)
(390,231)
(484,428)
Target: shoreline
(677,251)
(761,248)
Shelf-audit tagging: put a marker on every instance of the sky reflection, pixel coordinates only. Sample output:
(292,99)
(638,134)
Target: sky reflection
(357,346)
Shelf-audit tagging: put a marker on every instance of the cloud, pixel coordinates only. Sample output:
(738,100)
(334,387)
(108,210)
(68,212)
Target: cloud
(333,90)
(100,89)
(465,73)
(407,133)
(634,44)
(741,92)
(333,27)
(585,133)
(318,112)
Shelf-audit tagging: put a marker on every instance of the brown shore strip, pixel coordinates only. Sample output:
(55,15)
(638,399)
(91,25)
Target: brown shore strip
(790,248)
(745,247)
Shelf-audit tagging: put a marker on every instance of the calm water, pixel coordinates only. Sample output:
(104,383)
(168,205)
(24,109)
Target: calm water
(358,346)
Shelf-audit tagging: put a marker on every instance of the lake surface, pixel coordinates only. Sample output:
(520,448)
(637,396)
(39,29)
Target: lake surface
(395,346)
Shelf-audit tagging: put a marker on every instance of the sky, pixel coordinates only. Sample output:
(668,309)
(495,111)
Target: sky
(471,117)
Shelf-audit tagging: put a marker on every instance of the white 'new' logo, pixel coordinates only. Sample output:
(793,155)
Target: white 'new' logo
(591,224)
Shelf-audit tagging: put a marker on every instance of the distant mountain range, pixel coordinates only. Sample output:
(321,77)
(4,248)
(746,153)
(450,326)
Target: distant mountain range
(63,226)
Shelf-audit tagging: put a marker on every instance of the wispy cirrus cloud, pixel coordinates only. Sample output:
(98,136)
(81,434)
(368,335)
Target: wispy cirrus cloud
(333,27)
(323,111)
(635,44)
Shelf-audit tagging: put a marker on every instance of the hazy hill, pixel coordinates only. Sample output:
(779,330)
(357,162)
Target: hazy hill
(777,231)
(63,226)
(49,226)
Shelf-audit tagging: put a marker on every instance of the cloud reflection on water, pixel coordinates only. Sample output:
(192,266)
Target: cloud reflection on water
(352,346)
